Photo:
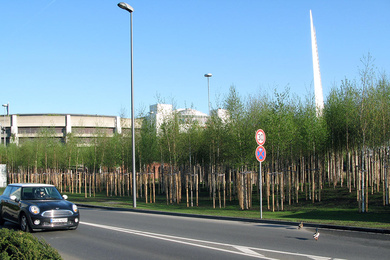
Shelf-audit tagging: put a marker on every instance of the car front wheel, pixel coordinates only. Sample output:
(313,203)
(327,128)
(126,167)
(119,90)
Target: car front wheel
(24,226)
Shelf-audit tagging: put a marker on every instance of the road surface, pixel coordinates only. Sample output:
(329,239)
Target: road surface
(111,234)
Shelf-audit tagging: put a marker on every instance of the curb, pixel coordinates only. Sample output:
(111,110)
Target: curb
(275,222)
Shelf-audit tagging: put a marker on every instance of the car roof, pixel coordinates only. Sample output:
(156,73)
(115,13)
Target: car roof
(31,184)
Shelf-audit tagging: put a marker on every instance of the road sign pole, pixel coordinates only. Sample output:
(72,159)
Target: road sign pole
(261,193)
(260,156)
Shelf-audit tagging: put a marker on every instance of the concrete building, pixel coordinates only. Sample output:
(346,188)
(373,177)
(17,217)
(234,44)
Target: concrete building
(161,112)
(22,127)
(222,114)
(3,175)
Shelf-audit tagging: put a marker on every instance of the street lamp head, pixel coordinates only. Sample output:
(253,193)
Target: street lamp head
(5,105)
(208,75)
(126,7)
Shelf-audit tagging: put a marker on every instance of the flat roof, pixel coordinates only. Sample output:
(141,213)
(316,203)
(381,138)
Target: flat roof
(31,184)
(60,114)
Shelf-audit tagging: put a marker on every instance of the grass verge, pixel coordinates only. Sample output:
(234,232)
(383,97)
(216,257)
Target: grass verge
(339,207)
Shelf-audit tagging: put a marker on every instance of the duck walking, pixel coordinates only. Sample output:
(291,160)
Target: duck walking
(300,225)
(316,235)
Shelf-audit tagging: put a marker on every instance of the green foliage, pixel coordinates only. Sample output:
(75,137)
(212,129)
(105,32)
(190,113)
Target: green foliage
(148,144)
(169,139)
(355,111)
(216,138)
(21,245)
(342,112)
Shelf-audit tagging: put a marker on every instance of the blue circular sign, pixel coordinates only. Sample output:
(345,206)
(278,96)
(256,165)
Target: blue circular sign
(260,153)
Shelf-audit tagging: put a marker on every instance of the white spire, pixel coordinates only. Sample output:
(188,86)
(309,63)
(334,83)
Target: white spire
(316,70)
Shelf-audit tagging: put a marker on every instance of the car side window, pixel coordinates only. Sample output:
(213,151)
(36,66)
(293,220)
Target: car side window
(16,192)
(27,193)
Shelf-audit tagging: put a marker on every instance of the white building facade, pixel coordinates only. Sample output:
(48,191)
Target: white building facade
(186,116)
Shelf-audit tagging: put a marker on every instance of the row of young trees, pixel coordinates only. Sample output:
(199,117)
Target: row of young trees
(346,144)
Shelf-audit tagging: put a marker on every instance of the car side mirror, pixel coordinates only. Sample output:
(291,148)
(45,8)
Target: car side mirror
(14,198)
(65,197)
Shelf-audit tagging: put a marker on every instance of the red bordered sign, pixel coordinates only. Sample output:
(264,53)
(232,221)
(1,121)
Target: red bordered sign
(260,137)
(260,153)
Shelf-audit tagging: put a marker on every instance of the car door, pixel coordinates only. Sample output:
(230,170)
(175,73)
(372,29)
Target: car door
(4,202)
(13,204)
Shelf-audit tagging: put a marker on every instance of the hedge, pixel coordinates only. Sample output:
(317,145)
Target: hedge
(21,245)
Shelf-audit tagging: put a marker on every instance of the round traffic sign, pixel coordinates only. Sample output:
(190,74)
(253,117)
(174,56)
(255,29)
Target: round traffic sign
(260,153)
(260,137)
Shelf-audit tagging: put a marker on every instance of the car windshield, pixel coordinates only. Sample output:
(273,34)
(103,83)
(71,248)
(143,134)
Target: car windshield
(40,193)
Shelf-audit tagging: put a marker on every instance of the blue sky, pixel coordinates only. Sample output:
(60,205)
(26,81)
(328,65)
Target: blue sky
(72,56)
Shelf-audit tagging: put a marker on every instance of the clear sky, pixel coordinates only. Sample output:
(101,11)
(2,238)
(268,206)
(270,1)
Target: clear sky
(72,56)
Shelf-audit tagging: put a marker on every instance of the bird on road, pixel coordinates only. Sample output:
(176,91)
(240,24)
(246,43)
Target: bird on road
(300,225)
(316,235)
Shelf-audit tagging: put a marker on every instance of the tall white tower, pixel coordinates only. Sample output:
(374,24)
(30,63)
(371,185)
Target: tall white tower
(316,70)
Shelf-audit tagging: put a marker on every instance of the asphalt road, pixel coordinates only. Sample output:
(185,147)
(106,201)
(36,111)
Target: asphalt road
(110,234)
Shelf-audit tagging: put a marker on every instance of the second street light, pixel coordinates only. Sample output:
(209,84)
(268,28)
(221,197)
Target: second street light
(5,133)
(208,76)
(130,9)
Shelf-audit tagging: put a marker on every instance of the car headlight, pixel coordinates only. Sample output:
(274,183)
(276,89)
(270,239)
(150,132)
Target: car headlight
(34,210)
(74,207)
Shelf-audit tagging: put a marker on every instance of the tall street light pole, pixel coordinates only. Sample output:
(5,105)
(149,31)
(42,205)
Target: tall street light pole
(5,133)
(130,9)
(208,76)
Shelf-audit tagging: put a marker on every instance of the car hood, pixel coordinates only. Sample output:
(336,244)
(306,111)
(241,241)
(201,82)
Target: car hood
(52,204)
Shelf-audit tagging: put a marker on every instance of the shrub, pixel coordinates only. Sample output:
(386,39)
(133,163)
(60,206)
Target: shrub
(21,245)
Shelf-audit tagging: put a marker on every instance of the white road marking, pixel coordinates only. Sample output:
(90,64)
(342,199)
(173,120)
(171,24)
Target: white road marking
(228,248)
(248,251)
